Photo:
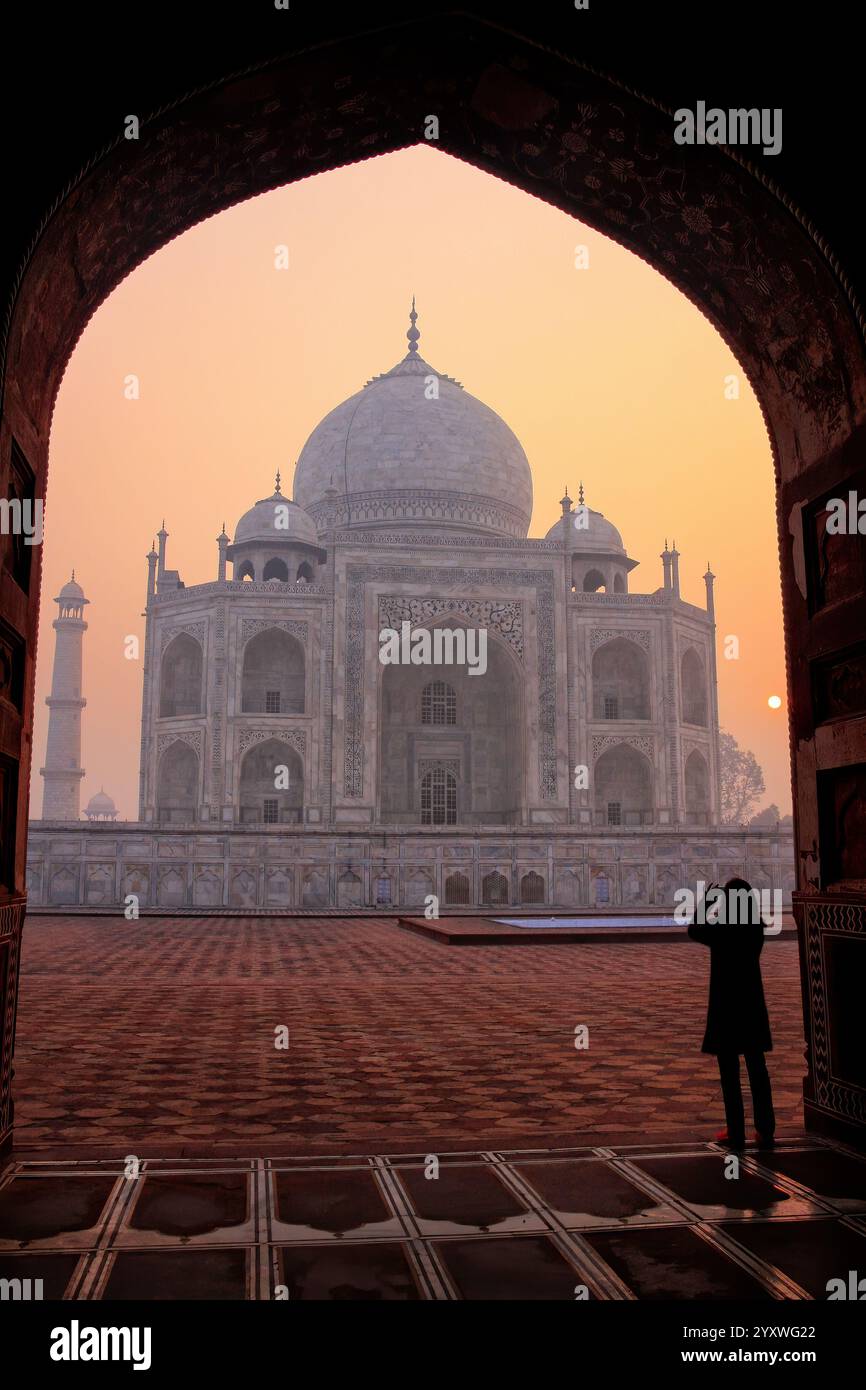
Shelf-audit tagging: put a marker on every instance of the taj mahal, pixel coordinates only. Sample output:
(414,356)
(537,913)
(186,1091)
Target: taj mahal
(285,767)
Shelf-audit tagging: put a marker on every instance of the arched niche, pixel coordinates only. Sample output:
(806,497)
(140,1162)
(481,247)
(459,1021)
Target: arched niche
(697,789)
(273,674)
(271,785)
(494,889)
(471,726)
(458,889)
(177,785)
(620,681)
(180,683)
(532,888)
(693,688)
(623,783)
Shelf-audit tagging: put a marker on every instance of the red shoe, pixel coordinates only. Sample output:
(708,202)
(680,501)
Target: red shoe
(764,1141)
(723,1138)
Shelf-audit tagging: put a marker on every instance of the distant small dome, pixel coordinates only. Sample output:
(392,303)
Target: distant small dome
(100,805)
(71,592)
(264,522)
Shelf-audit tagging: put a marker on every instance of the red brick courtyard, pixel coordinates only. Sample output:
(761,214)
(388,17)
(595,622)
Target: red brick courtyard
(158,1035)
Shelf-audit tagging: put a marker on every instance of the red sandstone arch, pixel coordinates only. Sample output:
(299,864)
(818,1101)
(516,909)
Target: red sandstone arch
(569,135)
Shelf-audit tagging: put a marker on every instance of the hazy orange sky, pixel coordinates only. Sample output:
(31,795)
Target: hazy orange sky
(606,374)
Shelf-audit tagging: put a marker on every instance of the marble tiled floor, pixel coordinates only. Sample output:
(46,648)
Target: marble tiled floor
(157,1037)
(627,1222)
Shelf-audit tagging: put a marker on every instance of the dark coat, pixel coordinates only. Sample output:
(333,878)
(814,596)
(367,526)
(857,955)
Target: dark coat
(737,1011)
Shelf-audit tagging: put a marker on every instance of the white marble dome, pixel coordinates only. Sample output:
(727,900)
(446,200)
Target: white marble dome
(395,455)
(599,536)
(99,805)
(71,592)
(260,523)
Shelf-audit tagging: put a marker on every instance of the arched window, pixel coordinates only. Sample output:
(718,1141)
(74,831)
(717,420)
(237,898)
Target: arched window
(349,889)
(457,890)
(620,681)
(594,581)
(623,787)
(532,888)
(246,571)
(494,889)
(273,674)
(180,677)
(438,703)
(697,781)
(438,797)
(177,785)
(276,569)
(271,788)
(305,573)
(694,689)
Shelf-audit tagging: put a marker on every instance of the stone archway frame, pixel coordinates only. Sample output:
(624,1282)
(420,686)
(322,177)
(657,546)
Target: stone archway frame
(717,229)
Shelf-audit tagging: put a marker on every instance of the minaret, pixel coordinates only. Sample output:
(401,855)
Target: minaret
(62,770)
(675,570)
(666,563)
(708,580)
(222,542)
(162,536)
(152,560)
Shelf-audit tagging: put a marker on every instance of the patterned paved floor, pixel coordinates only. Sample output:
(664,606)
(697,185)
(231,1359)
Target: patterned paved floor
(157,1038)
(651,1222)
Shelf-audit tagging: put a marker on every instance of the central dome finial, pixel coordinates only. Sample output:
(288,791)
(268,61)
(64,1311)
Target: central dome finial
(277,488)
(412,333)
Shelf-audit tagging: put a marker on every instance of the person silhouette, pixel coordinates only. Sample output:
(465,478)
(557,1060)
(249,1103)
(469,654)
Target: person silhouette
(737,1020)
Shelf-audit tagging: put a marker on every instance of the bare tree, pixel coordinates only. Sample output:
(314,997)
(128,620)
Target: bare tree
(742,780)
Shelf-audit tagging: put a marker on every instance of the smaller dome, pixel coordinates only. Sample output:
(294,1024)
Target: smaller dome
(597,535)
(71,592)
(100,805)
(264,522)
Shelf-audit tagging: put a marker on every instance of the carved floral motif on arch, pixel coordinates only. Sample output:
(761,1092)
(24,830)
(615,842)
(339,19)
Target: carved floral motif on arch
(193,737)
(295,738)
(505,619)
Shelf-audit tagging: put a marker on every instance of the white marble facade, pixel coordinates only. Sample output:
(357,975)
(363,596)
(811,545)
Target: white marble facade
(271,729)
